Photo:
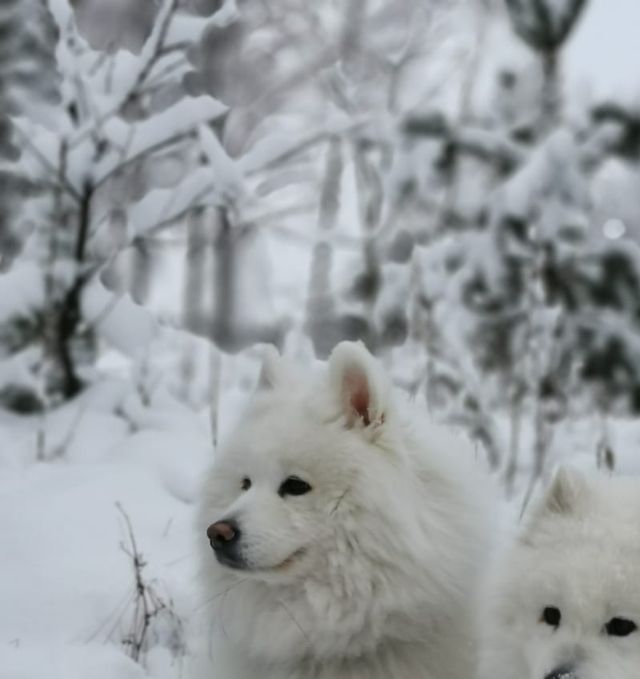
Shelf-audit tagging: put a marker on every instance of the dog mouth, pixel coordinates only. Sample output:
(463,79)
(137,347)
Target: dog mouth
(562,674)
(239,563)
(290,560)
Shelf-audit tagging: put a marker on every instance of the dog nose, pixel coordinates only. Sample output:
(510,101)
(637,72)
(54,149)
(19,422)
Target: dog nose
(223,535)
(565,672)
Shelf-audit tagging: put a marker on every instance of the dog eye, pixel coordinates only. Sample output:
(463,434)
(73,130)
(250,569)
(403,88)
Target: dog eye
(551,616)
(246,483)
(293,486)
(620,627)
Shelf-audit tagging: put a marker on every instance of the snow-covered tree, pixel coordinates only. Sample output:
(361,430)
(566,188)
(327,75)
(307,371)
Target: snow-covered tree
(27,78)
(545,303)
(446,208)
(118,159)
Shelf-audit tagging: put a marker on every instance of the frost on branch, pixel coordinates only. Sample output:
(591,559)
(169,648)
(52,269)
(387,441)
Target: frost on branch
(89,161)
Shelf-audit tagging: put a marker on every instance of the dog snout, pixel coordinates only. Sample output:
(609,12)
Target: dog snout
(564,672)
(224,538)
(223,534)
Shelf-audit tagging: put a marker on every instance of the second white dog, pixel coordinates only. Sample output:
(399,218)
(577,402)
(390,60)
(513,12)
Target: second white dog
(566,602)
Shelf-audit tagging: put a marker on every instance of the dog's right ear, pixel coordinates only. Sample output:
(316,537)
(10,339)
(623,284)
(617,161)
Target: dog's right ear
(358,383)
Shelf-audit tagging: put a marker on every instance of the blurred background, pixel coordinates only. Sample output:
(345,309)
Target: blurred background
(456,183)
(453,183)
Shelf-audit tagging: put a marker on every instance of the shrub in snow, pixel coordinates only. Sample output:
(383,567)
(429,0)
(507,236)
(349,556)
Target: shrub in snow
(439,204)
(27,78)
(90,164)
(153,620)
(508,284)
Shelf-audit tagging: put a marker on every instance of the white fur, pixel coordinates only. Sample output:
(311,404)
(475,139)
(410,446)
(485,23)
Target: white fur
(389,541)
(579,552)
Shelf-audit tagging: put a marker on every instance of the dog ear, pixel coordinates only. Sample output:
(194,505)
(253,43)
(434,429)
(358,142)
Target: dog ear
(358,382)
(566,491)
(567,495)
(271,371)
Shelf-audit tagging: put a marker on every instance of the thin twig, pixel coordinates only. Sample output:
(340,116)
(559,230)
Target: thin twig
(46,163)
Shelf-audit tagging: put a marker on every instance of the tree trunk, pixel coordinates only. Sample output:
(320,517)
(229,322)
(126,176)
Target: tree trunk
(551,98)
(66,315)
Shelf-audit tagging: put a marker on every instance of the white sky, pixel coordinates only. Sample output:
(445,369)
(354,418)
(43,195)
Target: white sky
(605,50)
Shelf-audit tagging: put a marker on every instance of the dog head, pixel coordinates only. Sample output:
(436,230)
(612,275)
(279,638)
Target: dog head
(334,524)
(571,606)
(300,456)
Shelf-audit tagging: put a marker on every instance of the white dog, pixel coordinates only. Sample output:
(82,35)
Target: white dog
(347,540)
(566,603)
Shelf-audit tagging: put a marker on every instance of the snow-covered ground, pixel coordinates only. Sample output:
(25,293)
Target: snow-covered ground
(128,450)
(68,590)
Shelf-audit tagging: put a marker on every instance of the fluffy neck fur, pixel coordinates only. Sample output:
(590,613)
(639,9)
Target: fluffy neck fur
(370,605)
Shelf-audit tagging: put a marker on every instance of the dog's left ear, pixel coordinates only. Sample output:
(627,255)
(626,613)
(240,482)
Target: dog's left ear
(359,384)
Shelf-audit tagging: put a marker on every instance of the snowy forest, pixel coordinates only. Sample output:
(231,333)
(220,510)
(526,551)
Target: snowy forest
(183,182)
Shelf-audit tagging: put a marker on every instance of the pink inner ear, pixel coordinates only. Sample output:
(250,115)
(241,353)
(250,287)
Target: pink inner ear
(356,390)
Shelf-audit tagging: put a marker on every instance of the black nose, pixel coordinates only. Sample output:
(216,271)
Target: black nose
(224,537)
(564,672)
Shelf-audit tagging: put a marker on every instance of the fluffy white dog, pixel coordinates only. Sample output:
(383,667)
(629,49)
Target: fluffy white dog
(345,540)
(566,602)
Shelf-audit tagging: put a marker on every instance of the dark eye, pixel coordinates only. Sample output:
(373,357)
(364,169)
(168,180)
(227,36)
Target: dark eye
(551,616)
(293,486)
(246,483)
(620,627)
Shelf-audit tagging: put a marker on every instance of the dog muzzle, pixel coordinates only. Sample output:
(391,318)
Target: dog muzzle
(562,673)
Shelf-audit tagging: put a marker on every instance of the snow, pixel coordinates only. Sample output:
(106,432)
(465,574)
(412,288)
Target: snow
(163,206)
(21,290)
(125,325)
(67,585)
(128,441)
(130,141)
(63,662)
(601,53)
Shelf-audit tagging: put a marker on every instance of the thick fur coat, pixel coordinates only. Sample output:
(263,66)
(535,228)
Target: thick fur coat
(366,565)
(565,603)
